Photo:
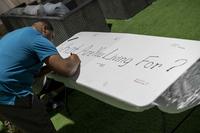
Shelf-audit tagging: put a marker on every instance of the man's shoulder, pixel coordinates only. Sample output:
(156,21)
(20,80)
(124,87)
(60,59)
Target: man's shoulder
(43,43)
(23,29)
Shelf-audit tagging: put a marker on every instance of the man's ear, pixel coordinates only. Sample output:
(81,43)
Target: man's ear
(44,30)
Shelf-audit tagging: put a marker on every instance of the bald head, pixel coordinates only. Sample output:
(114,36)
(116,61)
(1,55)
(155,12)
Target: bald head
(45,28)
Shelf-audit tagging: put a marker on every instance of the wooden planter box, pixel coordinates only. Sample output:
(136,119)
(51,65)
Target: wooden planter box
(87,16)
(122,9)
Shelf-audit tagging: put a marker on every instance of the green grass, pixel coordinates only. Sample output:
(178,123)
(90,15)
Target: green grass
(1,126)
(89,115)
(59,121)
(170,18)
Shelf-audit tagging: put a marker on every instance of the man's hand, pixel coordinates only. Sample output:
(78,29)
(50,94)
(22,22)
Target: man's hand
(74,59)
(66,67)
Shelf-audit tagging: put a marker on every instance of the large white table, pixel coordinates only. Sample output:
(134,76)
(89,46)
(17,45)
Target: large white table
(135,72)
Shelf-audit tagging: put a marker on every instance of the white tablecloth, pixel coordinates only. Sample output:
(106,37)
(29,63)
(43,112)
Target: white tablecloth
(182,95)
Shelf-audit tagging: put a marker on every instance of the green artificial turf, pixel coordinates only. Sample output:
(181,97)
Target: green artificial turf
(89,115)
(170,18)
(1,126)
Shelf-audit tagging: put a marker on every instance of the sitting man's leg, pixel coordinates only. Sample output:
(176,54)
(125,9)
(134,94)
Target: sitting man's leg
(31,119)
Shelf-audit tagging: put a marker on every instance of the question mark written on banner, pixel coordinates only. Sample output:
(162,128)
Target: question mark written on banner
(178,63)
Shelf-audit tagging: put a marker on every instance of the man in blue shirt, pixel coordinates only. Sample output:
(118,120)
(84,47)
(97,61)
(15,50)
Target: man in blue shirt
(23,53)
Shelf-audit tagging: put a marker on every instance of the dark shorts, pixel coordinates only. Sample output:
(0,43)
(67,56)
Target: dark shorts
(29,114)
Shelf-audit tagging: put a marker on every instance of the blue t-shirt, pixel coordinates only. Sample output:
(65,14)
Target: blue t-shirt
(22,53)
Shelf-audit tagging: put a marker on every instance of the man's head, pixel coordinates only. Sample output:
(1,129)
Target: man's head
(45,28)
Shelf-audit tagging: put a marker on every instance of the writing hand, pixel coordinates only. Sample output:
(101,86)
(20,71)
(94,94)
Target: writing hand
(74,58)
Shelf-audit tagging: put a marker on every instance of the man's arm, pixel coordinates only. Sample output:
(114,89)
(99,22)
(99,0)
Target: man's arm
(43,71)
(66,67)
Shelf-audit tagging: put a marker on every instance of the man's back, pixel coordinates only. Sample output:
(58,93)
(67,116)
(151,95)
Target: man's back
(21,58)
(22,54)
